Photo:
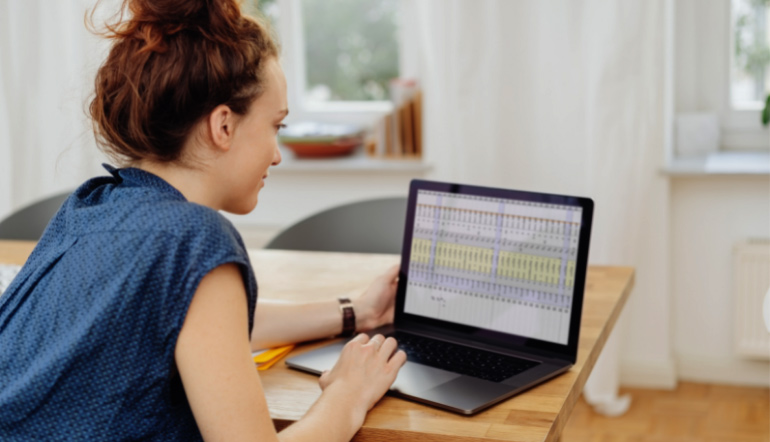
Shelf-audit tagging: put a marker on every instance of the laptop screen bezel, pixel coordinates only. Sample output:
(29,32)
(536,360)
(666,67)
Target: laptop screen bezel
(504,340)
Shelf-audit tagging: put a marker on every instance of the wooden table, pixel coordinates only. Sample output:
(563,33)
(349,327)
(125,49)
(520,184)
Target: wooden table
(539,414)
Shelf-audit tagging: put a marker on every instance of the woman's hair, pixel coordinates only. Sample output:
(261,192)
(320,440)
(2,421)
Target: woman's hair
(171,63)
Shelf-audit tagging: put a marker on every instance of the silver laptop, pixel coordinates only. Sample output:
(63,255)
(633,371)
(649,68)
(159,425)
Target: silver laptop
(490,294)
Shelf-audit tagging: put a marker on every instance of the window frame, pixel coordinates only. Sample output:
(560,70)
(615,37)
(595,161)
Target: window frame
(741,125)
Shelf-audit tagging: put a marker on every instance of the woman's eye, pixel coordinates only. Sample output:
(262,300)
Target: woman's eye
(280,126)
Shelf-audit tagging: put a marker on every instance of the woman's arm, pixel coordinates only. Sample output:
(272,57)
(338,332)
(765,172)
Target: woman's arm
(224,389)
(279,322)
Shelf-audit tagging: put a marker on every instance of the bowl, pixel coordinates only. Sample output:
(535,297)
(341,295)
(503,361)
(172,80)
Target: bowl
(339,147)
(312,139)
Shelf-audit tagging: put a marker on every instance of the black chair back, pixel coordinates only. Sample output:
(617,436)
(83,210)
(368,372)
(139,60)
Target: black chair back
(29,222)
(372,226)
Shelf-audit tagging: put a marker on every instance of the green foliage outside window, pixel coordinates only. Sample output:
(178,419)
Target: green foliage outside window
(752,54)
(351,51)
(350,47)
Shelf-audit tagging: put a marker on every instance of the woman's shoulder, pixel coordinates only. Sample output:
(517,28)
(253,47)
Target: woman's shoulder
(180,228)
(181,218)
(195,225)
(132,201)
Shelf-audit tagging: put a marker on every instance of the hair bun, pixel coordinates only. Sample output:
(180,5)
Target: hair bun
(150,20)
(199,12)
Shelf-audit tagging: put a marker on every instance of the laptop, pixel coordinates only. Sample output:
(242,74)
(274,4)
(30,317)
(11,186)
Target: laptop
(489,296)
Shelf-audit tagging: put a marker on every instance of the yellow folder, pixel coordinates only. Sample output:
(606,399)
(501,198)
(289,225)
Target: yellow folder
(267,358)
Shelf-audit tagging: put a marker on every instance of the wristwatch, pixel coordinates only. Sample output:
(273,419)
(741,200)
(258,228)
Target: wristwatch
(348,316)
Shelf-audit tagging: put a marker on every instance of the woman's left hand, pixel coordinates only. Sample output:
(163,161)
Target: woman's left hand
(376,305)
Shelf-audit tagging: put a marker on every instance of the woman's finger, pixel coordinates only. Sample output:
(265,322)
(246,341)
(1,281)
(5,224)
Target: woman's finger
(323,381)
(398,360)
(387,348)
(377,341)
(362,338)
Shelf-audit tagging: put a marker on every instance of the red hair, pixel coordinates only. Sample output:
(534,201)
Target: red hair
(171,63)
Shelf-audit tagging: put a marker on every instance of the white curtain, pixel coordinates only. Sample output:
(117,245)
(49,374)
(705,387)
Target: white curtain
(47,65)
(6,181)
(561,96)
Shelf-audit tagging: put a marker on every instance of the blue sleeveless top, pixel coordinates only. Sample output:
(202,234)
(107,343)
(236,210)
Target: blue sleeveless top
(89,326)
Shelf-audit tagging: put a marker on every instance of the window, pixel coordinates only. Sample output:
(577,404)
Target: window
(750,70)
(713,72)
(338,55)
(350,48)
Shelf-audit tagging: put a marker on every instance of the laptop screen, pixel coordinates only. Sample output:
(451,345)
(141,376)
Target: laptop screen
(497,263)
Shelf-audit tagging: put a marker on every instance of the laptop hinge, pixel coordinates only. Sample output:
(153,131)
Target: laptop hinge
(457,338)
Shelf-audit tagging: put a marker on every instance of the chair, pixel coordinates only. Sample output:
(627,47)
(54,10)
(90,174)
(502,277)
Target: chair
(372,226)
(29,222)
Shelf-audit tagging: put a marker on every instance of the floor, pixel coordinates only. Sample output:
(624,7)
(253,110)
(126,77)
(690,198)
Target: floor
(692,412)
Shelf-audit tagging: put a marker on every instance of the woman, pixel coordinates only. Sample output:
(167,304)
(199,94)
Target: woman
(130,320)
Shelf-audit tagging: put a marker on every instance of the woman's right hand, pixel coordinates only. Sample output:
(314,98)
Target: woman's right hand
(364,371)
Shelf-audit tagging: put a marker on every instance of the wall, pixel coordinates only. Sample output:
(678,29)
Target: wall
(702,48)
(709,215)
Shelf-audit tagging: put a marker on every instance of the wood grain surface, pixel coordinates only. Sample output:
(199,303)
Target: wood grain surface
(539,414)
(15,252)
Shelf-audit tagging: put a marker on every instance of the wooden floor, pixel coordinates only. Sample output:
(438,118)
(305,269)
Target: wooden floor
(692,412)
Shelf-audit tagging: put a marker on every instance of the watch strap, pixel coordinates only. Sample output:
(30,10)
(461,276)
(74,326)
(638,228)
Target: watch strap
(348,317)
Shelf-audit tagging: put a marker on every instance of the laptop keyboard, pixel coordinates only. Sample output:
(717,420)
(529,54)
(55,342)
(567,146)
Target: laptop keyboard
(456,358)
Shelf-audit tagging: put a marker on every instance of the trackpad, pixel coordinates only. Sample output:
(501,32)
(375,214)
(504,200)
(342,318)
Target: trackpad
(415,378)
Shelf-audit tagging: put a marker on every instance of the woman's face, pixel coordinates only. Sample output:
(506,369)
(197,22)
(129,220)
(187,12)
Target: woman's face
(254,147)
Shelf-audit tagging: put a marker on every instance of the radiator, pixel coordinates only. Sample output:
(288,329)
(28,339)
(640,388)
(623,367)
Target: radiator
(751,281)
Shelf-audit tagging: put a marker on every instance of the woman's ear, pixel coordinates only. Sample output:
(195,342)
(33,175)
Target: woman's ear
(221,126)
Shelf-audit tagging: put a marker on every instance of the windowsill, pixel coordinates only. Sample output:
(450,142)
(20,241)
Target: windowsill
(357,162)
(720,163)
